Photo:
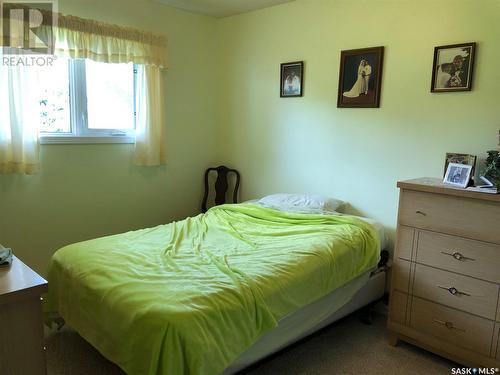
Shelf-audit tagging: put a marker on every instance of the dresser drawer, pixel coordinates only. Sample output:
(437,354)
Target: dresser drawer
(456,327)
(458,291)
(464,217)
(475,258)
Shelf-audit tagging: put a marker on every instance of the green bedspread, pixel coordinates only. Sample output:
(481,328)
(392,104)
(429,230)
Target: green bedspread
(189,297)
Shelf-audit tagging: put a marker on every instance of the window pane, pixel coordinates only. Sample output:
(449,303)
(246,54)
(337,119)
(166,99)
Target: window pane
(110,95)
(54,97)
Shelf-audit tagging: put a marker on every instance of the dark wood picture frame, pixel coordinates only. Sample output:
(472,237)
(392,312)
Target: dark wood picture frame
(292,67)
(350,92)
(441,79)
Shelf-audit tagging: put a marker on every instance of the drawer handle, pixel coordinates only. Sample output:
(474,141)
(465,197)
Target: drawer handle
(448,325)
(420,213)
(457,256)
(454,291)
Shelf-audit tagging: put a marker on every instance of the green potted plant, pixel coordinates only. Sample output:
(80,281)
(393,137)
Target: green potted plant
(492,171)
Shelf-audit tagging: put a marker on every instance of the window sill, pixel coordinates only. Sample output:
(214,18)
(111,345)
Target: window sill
(64,139)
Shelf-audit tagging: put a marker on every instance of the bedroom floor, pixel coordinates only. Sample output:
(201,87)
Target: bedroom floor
(346,347)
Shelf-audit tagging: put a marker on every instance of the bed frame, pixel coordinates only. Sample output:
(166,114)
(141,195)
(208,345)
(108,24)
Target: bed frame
(311,318)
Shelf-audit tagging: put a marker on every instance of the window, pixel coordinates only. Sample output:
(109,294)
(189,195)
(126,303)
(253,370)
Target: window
(54,98)
(83,101)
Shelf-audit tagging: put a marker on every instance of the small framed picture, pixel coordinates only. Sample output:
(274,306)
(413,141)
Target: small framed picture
(292,79)
(453,67)
(468,159)
(458,175)
(360,78)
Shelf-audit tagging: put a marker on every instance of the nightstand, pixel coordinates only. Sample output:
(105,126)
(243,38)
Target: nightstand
(21,323)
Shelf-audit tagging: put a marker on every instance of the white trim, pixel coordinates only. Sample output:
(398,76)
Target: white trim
(71,139)
(78,96)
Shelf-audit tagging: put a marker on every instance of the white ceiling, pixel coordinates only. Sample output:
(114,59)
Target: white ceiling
(221,8)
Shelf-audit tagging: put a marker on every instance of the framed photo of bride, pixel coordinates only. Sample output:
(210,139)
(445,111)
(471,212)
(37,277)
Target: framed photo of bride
(360,78)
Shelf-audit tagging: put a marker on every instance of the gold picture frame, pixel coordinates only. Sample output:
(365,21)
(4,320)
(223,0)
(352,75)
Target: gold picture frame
(458,158)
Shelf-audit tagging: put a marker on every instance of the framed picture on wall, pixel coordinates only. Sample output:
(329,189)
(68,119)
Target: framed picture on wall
(452,67)
(292,79)
(360,77)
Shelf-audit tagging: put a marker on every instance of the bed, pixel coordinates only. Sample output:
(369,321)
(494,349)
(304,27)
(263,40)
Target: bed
(214,293)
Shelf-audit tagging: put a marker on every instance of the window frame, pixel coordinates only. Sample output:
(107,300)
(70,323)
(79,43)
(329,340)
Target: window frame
(79,130)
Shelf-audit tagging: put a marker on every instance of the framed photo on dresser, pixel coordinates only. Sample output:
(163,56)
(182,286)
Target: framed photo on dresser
(458,175)
(452,157)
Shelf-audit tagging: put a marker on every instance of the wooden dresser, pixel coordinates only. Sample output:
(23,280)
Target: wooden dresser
(446,274)
(21,326)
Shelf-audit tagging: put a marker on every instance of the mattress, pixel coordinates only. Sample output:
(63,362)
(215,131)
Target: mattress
(380,230)
(191,296)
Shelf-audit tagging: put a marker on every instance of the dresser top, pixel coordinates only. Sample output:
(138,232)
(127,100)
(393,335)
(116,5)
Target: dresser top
(435,185)
(20,281)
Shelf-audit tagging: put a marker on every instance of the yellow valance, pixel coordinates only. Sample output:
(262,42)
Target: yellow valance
(77,38)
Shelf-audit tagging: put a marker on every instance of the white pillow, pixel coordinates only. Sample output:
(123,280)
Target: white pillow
(301,203)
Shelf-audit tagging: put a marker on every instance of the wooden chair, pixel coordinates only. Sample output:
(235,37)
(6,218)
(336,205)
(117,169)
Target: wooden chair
(221,186)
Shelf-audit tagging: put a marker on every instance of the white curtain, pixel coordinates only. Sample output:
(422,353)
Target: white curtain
(150,129)
(19,120)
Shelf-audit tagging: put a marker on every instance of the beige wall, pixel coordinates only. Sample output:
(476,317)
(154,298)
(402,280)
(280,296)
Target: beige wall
(308,144)
(85,191)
